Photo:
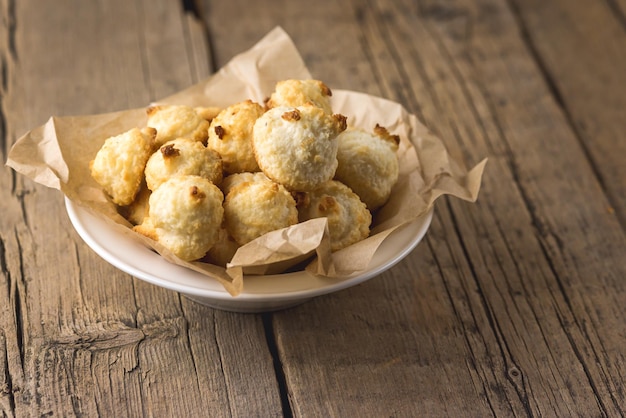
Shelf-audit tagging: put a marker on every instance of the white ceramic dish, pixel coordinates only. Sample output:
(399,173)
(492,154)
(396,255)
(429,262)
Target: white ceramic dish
(261,293)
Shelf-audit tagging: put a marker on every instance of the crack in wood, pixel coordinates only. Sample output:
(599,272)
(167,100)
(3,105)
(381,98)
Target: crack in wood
(7,389)
(193,7)
(618,12)
(197,41)
(222,371)
(107,336)
(4,268)
(143,51)
(272,344)
(10,388)
(17,303)
(5,58)
(11,25)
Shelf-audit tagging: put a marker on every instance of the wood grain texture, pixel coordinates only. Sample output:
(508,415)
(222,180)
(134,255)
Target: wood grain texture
(512,306)
(80,338)
(516,305)
(584,62)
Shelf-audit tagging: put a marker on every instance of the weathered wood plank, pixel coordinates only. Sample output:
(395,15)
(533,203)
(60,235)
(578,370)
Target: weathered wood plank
(483,80)
(565,269)
(581,47)
(513,306)
(95,341)
(321,31)
(12,378)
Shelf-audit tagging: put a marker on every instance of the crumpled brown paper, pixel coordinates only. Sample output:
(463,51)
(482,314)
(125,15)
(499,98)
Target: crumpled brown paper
(57,154)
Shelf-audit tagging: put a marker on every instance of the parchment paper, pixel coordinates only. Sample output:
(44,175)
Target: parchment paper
(57,155)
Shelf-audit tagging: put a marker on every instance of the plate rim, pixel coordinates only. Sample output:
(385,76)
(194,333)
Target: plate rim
(76,213)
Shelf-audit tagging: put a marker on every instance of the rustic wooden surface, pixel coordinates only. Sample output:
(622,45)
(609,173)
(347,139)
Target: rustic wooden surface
(512,306)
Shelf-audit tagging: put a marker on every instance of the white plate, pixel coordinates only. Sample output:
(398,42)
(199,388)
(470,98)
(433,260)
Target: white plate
(261,293)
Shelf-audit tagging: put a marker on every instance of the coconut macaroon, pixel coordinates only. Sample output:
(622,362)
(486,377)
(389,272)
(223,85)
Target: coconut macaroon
(297,146)
(138,209)
(183,156)
(177,121)
(185,215)
(207,112)
(349,219)
(234,179)
(257,206)
(223,251)
(118,166)
(300,92)
(368,164)
(230,134)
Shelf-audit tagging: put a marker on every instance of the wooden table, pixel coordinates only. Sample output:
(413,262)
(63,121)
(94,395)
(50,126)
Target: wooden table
(512,306)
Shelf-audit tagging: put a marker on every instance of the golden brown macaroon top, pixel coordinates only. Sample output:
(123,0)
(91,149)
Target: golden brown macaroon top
(177,121)
(230,134)
(183,156)
(348,217)
(368,164)
(119,164)
(297,146)
(185,216)
(296,93)
(255,205)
